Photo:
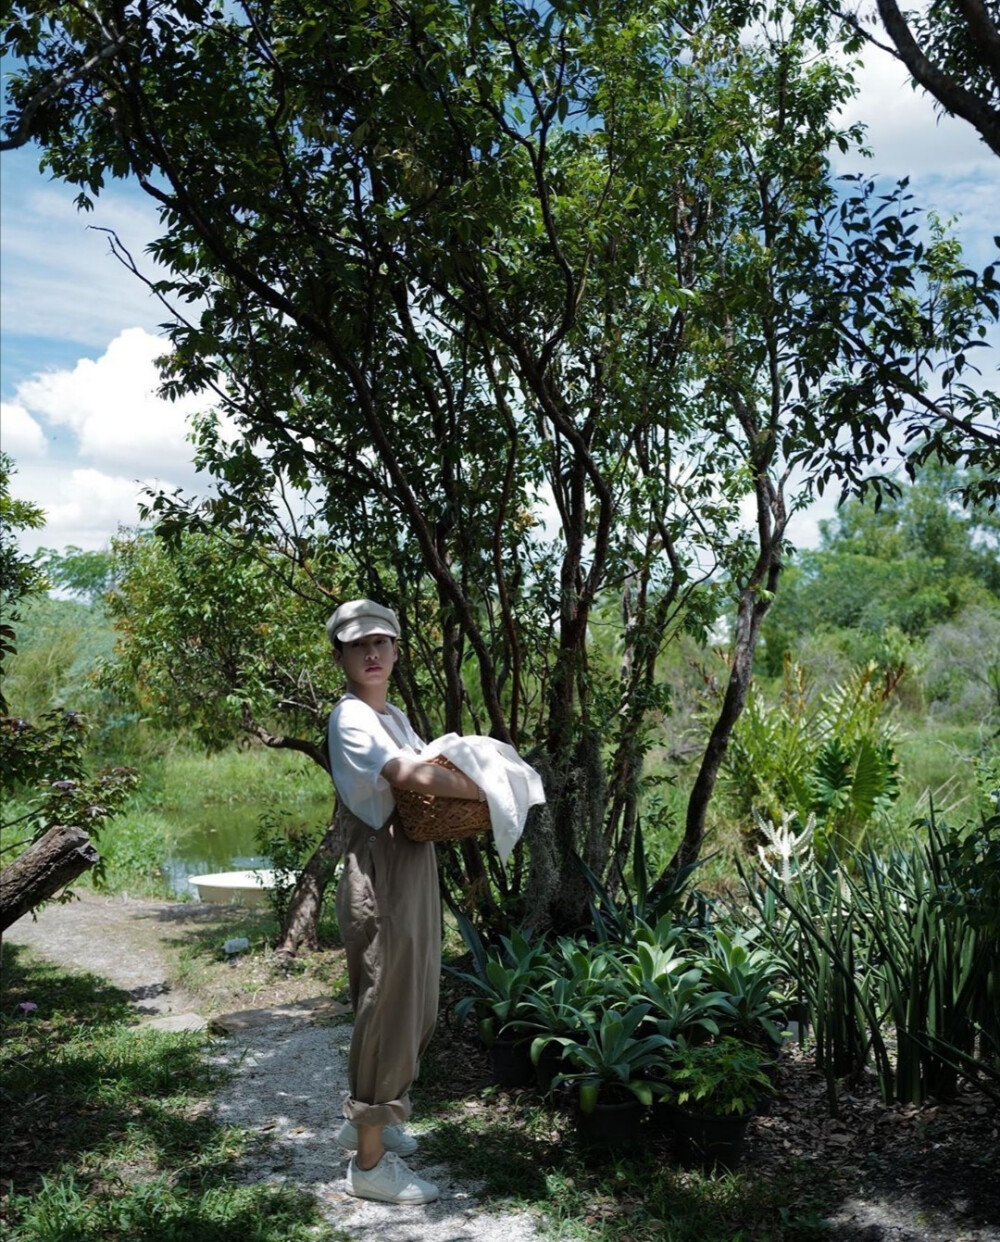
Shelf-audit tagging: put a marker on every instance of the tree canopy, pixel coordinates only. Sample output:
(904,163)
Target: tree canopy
(531,303)
(883,579)
(19,576)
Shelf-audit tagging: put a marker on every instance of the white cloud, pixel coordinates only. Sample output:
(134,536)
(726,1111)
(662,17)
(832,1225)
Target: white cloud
(908,135)
(951,169)
(60,279)
(83,507)
(108,437)
(111,407)
(20,435)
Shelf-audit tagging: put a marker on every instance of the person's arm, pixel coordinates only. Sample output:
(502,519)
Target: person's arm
(408,772)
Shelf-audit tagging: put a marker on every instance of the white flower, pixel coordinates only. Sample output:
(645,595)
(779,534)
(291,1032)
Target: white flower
(786,853)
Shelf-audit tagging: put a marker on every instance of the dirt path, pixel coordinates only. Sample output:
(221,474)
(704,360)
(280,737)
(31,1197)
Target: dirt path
(118,938)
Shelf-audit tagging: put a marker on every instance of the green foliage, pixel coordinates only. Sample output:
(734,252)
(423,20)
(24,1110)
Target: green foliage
(612,1055)
(720,1079)
(672,983)
(752,979)
(44,765)
(213,640)
(501,981)
(104,1128)
(289,849)
(616,911)
(961,679)
(884,578)
(87,575)
(908,942)
(19,576)
(829,755)
(59,643)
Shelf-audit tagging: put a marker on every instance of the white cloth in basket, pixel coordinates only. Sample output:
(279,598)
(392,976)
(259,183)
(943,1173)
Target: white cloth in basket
(511,786)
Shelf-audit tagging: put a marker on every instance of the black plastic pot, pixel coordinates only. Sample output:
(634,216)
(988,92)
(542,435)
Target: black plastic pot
(661,1118)
(612,1124)
(706,1142)
(550,1062)
(510,1063)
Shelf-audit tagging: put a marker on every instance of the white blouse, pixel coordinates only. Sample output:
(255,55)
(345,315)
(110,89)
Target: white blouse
(362,741)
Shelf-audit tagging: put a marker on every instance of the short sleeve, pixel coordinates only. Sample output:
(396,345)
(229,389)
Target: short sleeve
(360,747)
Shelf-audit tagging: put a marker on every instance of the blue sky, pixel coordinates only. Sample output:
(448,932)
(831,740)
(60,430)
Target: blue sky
(79,333)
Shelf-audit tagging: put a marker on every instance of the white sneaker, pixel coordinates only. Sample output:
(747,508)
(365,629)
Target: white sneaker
(394,1138)
(390,1181)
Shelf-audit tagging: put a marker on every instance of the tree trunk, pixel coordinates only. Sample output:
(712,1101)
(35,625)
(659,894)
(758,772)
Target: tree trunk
(42,870)
(752,610)
(300,927)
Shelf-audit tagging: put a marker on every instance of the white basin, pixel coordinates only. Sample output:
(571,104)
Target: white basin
(248,888)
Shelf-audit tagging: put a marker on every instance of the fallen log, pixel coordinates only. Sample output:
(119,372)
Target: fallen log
(42,870)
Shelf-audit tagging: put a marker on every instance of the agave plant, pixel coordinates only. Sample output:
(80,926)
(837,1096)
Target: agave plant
(752,981)
(612,1056)
(500,982)
(674,990)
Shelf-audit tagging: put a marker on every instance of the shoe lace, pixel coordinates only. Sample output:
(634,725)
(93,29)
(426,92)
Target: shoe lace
(399,1174)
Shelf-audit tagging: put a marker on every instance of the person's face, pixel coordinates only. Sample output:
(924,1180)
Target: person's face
(368,661)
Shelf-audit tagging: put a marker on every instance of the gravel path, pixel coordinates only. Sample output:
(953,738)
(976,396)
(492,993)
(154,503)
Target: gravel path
(288,1075)
(288,1085)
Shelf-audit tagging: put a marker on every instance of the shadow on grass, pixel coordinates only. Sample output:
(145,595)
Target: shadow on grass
(533,1159)
(78,1076)
(203,927)
(506,1163)
(105,1134)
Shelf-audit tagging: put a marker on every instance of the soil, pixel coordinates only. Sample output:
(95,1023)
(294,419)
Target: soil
(929,1174)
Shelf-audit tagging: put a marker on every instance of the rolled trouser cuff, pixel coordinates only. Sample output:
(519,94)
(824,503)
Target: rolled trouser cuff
(392,1113)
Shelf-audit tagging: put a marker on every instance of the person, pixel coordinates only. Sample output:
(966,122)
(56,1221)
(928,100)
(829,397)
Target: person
(388,903)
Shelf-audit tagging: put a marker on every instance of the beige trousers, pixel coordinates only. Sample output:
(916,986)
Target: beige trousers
(389,914)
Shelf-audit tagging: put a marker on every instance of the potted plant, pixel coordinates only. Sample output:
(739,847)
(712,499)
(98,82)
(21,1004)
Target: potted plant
(579,982)
(681,1005)
(553,1009)
(608,1073)
(750,978)
(498,988)
(712,1092)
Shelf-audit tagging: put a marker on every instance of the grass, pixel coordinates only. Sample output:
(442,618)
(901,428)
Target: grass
(257,977)
(107,1136)
(937,761)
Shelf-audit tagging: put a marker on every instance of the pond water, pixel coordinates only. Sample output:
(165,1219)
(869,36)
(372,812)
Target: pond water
(223,838)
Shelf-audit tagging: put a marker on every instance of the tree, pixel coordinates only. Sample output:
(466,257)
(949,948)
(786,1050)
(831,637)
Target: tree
(452,259)
(20,577)
(882,578)
(85,574)
(216,639)
(951,49)
(58,804)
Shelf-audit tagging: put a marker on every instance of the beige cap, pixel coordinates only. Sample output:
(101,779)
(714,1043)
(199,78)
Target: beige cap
(360,617)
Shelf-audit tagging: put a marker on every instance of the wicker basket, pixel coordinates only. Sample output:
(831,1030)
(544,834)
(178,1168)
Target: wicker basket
(427,818)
